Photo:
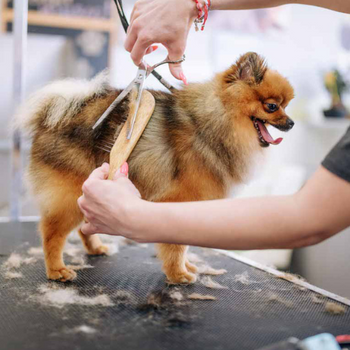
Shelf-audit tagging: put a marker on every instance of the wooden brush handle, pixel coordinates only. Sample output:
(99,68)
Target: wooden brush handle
(122,147)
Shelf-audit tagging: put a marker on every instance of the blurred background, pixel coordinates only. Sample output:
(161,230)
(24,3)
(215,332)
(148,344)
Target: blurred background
(309,45)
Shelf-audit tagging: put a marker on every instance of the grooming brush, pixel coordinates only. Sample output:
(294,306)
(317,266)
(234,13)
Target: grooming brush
(121,148)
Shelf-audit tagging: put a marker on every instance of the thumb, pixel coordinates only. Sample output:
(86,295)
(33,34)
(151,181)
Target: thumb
(88,229)
(174,54)
(100,173)
(122,171)
(177,72)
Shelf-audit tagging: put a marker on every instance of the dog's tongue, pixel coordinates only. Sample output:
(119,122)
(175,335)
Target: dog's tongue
(266,135)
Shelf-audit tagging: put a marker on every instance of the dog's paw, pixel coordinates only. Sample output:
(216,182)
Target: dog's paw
(191,267)
(181,277)
(101,250)
(64,274)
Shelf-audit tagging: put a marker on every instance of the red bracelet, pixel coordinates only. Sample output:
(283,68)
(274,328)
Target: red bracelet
(203,12)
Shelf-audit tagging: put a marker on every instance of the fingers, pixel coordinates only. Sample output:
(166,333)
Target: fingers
(136,192)
(133,14)
(137,10)
(122,171)
(81,204)
(151,49)
(134,31)
(176,52)
(136,43)
(101,172)
(88,229)
(177,72)
(139,50)
(127,184)
(131,38)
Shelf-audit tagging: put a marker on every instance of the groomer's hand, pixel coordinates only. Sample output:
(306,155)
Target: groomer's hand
(161,21)
(106,204)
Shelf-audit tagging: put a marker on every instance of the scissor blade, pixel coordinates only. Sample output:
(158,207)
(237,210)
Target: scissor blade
(130,126)
(120,97)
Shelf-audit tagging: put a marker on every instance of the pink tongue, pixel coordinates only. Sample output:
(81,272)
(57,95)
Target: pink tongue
(266,135)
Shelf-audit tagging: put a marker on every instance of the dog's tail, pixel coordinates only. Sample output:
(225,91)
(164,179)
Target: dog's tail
(58,102)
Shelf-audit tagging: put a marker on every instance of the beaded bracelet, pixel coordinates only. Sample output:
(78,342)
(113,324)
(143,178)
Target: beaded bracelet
(203,12)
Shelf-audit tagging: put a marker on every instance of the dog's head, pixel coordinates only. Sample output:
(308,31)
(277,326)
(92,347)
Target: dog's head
(260,94)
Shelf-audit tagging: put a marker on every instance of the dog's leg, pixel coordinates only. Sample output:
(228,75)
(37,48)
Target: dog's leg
(93,244)
(191,267)
(54,230)
(60,214)
(175,265)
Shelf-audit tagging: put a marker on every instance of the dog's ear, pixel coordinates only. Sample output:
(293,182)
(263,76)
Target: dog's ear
(250,68)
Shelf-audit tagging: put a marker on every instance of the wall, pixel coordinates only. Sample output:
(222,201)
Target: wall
(46,61)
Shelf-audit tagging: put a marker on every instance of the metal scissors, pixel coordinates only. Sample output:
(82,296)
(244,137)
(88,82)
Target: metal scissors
(143,72)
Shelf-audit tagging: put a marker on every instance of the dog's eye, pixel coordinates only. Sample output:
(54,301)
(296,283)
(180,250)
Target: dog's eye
(272,107)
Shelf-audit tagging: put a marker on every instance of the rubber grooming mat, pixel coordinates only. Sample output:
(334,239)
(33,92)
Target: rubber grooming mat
(109,306)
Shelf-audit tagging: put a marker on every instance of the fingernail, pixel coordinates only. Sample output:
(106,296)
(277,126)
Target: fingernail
(151,49)
(183,78)
(124,169)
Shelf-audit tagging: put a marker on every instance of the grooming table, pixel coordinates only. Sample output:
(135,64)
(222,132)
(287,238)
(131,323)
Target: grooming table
(255,310)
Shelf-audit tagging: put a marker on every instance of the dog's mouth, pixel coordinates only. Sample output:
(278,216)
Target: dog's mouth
(265,139)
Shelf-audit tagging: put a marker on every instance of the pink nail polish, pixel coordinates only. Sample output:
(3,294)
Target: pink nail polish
(183,78)
(124,169)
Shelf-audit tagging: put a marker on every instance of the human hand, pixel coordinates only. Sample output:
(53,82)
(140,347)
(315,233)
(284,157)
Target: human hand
(161,21)
(106,204)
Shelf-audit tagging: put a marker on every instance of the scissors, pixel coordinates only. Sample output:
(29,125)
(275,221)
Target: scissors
(143,72)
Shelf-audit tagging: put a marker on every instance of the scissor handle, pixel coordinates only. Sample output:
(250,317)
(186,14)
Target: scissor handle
(165,61)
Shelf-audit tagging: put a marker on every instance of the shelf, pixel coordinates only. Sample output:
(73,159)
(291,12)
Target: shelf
(59,21)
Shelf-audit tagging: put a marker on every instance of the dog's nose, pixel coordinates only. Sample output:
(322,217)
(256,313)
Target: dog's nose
(290,123)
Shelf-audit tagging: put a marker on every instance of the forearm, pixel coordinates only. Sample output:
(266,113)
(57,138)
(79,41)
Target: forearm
(336,5)
(245,4)
(254,223)
(319,210)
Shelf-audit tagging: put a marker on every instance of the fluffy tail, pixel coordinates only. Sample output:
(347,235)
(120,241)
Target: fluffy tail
(58,102)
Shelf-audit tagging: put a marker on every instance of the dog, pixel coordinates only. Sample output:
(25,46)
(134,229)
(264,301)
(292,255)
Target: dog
(200,141)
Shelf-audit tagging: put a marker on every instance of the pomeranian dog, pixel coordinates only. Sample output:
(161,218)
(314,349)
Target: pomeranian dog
(199,142)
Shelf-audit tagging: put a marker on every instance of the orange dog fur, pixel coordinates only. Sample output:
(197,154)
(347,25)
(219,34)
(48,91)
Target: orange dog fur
(200,140)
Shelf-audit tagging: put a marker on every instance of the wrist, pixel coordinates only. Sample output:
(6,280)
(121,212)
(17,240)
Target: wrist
(203,7)
(249,4)
(215,5)
(155,223)
(141,221)
(192,9)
